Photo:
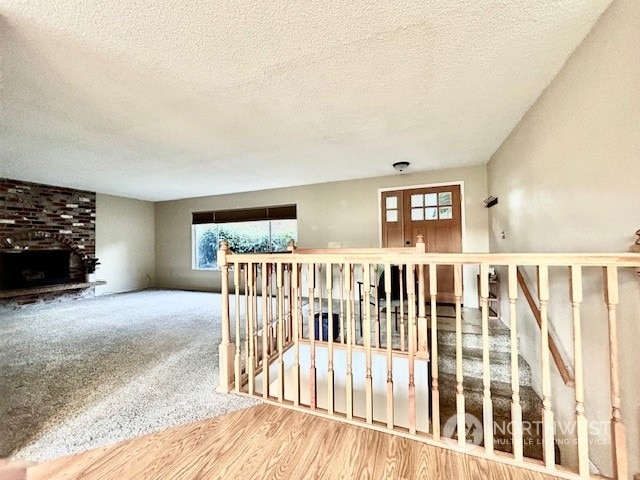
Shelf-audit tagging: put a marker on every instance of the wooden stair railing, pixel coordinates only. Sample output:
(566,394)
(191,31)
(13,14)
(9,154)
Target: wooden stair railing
(274,349)
(561,365)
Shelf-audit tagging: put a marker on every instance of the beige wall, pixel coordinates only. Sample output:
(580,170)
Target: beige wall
(345,212)
(125,239)
(568,179)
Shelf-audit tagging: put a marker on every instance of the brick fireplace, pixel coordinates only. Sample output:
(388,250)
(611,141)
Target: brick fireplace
(44,218)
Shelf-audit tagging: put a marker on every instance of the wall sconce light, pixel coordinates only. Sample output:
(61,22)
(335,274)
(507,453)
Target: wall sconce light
(490,201)
(400,166)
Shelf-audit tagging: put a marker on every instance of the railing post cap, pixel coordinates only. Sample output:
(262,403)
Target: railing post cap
(420,245)
(222,254)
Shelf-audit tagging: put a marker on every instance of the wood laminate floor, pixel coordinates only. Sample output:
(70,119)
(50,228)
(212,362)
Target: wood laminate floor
(269,442)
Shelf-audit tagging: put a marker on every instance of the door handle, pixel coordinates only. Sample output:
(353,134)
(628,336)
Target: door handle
(408,242)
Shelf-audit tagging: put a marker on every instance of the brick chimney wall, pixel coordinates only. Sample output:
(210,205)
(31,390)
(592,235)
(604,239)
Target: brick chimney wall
(41,216)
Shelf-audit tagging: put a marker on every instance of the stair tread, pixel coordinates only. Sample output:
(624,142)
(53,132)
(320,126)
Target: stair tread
(476,353)
(476,384)
(531,411)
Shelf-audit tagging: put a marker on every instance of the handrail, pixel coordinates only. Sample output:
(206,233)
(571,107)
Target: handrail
(563,368)
(370,256)
(338,368)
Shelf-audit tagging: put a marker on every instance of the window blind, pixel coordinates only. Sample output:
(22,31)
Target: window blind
(280,212)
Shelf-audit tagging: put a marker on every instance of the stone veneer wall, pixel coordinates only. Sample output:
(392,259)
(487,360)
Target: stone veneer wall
(43,216)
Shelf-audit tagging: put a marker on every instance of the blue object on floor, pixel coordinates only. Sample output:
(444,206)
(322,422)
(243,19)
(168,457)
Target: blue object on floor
(325,326)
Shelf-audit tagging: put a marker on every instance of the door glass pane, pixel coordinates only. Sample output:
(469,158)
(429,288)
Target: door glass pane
(417,200)
(430,200)
(431,213)
(446,213)
(392,202)
(392,215)
(417,214)
(444,198)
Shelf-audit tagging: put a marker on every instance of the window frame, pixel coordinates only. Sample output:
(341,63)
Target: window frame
(238,216)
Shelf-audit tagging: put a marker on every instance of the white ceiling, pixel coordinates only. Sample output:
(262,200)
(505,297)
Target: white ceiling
(170,99)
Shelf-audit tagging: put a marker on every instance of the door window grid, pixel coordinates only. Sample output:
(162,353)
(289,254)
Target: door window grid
(431,206)
(391,207)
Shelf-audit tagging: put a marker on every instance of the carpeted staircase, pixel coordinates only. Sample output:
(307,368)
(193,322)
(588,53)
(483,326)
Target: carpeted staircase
(501,392)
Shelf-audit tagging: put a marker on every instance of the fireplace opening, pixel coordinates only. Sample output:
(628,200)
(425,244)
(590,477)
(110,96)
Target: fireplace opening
(33,268)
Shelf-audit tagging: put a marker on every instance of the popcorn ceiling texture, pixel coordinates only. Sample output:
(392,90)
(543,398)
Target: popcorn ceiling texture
(173,99)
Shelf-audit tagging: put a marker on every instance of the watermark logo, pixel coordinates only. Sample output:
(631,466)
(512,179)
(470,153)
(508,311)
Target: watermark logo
(503,432)
(473,433)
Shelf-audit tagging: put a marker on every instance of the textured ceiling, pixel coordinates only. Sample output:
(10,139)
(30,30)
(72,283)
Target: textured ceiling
(169,99)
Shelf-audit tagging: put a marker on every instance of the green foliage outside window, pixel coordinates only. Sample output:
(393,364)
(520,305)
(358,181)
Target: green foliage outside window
(243,237)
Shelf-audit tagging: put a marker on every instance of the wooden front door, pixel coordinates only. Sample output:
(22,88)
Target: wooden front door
(434,212)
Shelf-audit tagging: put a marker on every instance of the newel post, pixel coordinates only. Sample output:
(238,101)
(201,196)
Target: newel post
(226,348)
(420,245)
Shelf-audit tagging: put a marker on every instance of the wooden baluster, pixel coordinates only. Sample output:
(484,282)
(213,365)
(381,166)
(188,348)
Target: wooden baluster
(273,313)
(312,336)
(350,336)
(281,329)
(376,324)
(411,295)
(286,307)
(330,392)
(365,304)
(460,409)
(299,313)
(423,342)
(389,340)
(238,371)
(266,301)
(265,329)
(402,296)
(295,287)
(254,305)
(368,382)
(582,428)
(226,348)
(516,408)
(290,316)
(619,446)
(487,405)
(342,337)
(321,304)
(435,388)
(547,413)
(251,332)
(353,304)
(247,338)
(247,310)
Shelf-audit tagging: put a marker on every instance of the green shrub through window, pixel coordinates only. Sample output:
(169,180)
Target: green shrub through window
(243,237)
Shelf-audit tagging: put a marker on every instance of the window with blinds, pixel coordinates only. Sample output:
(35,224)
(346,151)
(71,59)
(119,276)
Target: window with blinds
(247,230)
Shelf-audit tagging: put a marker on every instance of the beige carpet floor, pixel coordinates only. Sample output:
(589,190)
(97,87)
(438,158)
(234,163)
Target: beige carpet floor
(91,372)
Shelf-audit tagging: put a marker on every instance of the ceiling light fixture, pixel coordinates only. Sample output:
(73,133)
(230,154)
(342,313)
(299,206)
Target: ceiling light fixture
(400,166)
